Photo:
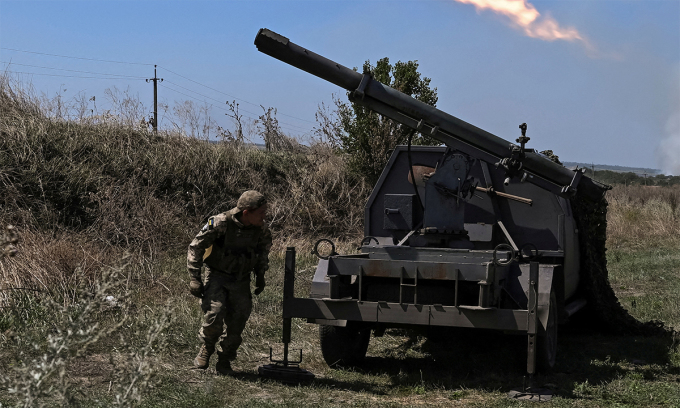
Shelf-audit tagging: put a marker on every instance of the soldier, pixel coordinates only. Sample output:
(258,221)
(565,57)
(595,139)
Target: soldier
(231,246)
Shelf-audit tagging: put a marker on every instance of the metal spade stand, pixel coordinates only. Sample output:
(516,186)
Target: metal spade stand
(285,370)
(528,392)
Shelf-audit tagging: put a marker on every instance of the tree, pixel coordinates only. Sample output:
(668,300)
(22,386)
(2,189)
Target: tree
(367,136)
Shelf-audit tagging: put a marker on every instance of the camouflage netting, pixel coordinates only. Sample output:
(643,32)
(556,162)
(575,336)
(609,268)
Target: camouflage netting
(604,310)
(552,156)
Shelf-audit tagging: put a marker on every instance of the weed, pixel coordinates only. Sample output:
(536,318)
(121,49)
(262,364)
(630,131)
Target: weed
(457,394)
(78,327)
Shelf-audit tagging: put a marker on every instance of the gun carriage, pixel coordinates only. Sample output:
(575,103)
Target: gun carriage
(478,233)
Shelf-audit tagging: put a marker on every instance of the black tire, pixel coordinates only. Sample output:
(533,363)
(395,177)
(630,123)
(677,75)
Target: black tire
(547,340)
(344,346)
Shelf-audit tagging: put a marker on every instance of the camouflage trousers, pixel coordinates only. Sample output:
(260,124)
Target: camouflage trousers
(226,302)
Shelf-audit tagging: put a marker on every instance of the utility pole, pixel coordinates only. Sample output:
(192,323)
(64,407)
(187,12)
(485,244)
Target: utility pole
(155,80)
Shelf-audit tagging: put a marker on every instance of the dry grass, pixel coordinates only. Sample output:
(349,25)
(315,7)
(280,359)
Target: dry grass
(82,193)
(642,216)
(39,369)
(58,264)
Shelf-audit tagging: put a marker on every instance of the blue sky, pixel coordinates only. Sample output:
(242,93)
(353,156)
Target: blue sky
(611,96)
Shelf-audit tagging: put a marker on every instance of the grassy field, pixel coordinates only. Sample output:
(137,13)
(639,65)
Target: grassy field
(472,369)
(95,309)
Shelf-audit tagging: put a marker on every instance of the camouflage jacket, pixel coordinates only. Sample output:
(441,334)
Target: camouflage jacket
(225,244)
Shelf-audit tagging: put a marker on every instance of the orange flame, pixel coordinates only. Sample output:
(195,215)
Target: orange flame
(525,16)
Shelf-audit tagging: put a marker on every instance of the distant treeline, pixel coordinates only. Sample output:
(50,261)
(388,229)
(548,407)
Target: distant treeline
(619,169)
(630,178)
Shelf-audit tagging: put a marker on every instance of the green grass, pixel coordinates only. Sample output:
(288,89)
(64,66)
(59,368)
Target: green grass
(471,369)
(647,282)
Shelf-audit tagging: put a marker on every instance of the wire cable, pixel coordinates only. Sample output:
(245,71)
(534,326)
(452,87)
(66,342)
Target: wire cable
(240,110)
(232,116)
(120,76)
(80,58)
(146,64)
(68,76)
(71,70)
(231,96)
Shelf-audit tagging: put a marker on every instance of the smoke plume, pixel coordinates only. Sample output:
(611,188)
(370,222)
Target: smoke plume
(525,17)
(669,147)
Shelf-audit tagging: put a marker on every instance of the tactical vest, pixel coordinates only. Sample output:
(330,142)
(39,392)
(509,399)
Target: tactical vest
(234,252)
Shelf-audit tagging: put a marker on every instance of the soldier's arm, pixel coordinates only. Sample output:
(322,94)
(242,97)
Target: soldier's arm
(215,227)
(262,251)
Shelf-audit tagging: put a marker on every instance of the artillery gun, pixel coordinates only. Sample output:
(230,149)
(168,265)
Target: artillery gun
(478,233)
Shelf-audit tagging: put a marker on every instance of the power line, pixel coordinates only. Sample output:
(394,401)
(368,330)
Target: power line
(240,110)
(231,96)
(227,110)
(197,93)
(282,124)
(117,76)
(71,70)
(66,76)
(192,97)
(80,58)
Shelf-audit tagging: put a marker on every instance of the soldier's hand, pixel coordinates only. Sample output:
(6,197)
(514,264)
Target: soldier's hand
(259,284)
(196,287)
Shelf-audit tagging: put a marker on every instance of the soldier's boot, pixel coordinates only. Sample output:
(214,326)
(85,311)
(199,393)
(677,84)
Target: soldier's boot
(223,366)
(202,360)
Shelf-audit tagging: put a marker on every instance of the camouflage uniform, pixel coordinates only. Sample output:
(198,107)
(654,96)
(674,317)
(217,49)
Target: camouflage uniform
(230,251)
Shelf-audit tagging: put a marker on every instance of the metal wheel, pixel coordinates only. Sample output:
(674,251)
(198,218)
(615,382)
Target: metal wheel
(344,346)
(547,340)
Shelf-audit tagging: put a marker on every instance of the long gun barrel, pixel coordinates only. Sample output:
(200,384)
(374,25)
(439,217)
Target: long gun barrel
(428,120)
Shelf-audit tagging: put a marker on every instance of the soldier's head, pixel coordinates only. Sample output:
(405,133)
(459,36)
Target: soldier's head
(253,207)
